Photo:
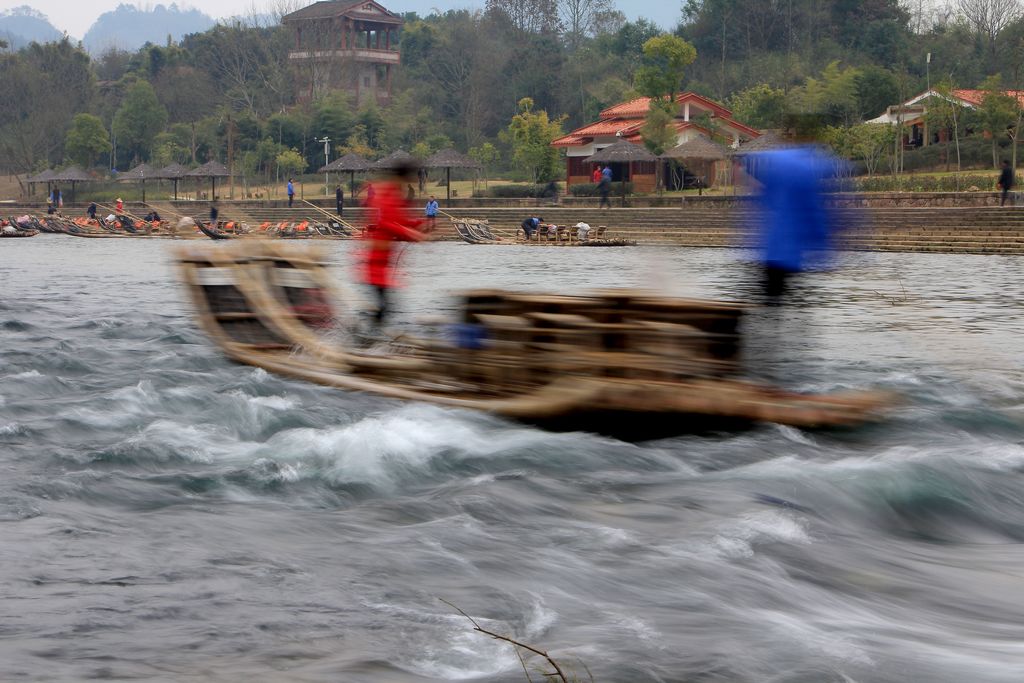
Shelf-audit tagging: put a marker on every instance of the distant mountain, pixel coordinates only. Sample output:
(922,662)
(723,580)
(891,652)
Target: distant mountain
(129,28)
(22,25)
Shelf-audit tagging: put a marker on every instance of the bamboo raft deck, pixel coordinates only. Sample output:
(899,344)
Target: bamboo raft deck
(619,362)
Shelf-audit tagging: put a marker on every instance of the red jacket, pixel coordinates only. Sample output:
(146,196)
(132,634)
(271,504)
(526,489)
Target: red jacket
(393,222)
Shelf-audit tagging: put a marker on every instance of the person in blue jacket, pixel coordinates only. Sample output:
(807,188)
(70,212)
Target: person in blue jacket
(795,223)
(530,226)
(431,212)
(291,192)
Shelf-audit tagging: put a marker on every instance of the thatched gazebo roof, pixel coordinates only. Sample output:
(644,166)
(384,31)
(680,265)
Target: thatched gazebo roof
(763,143)
(351,162)
(211,169)
(622,151)
(698,148)
(41,177)
(172,172)
(141,172)
(72,174)
(397,158)
(450,158)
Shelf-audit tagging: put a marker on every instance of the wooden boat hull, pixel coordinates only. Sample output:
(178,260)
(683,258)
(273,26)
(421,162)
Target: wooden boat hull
(212,232)
(634,366)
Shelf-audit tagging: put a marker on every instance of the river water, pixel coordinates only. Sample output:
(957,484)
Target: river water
(166,515)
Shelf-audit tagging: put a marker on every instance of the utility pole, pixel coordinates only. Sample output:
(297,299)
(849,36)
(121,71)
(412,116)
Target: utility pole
(928,71)
(231,157)
(327,159)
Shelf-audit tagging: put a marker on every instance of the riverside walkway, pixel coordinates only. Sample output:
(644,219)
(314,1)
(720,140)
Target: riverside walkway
(981,230)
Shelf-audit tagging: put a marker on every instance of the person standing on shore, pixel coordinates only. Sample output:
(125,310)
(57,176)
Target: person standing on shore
(604,186)
(431,213)
(291,192)
(119,206)
(339,200)
(1005,182)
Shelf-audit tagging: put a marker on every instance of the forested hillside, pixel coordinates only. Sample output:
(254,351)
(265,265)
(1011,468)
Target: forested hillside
(129,27)
(228,93)
(21,25)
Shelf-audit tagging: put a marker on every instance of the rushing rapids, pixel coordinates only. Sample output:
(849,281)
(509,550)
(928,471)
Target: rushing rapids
(169,515)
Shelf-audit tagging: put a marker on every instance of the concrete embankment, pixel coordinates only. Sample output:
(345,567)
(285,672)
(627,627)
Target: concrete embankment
(955,229)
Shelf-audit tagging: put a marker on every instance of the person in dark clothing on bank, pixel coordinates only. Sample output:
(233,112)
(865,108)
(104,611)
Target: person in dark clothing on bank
(339,199)
(1006,182)
(530,226)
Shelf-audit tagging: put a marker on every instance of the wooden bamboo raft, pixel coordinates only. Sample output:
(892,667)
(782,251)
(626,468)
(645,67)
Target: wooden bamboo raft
(619,362)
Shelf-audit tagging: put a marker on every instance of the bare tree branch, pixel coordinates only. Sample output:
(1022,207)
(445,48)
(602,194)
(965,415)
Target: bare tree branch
(477,627)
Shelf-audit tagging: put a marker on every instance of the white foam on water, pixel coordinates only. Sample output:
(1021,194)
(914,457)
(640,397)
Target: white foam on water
(12,429)
(272,402)
(809,635)
(27,374)
(457,652)
(738,538)
(197,443)
(385,449)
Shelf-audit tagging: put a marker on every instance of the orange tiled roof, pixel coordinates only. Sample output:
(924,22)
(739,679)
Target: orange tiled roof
(640,106)
(976,96)
(625,120)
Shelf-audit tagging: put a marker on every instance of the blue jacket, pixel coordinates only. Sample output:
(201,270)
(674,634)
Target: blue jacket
(291,188)
(606,173)
(795,220)
(432,208)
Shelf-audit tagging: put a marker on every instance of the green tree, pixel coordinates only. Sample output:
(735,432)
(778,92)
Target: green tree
(139,119)
(290,162)
(997,114)
(833,96)
(486,155)
(945,112)
(530,135)
(357,143)
(761,106)
(86,140)
(869,142)
(665,59)
(658,131)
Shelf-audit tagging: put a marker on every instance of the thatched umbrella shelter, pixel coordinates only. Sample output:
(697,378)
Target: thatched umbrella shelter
(42,177)
(762,143)
(397,158)
(141,173)
(73,175)
(211,170)
(352,163)
(622,152)
(174,172)
(700,151)
(449,159)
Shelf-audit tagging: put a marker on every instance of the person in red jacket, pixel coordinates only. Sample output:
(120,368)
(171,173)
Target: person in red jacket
(392,221)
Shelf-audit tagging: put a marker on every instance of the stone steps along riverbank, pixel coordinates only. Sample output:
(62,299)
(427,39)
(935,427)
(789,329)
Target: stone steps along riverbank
(953,229)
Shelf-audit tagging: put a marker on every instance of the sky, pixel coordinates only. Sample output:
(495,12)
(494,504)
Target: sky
(76,17)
